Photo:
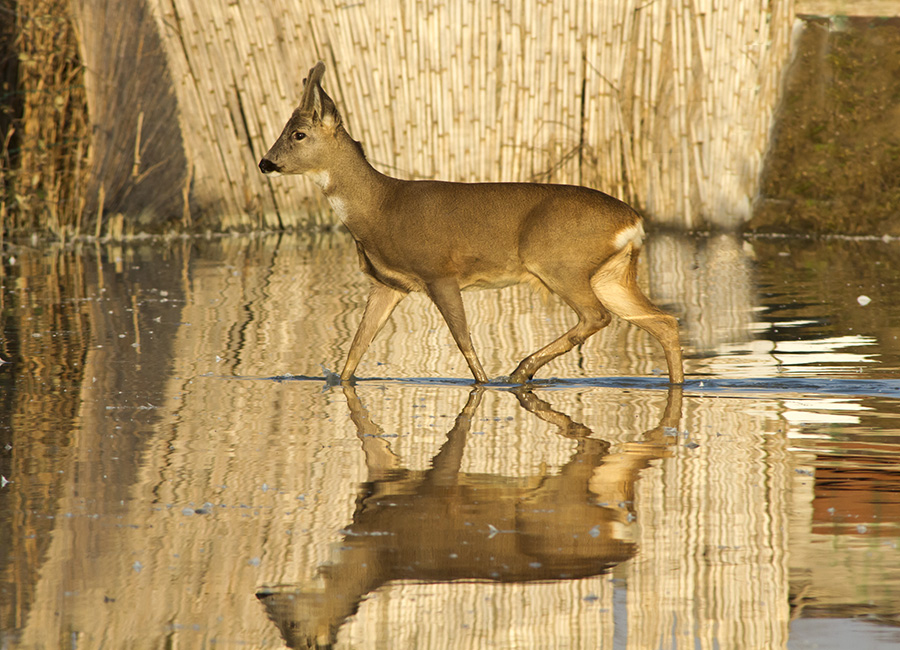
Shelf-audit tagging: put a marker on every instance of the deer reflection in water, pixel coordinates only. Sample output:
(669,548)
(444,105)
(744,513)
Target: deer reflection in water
(443,525)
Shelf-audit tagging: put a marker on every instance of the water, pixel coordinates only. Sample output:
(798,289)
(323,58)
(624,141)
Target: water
(178,472)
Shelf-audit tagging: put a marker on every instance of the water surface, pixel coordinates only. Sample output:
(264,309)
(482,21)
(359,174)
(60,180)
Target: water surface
(178,470)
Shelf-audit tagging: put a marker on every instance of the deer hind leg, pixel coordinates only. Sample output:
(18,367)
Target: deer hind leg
(592,317)
(615,284)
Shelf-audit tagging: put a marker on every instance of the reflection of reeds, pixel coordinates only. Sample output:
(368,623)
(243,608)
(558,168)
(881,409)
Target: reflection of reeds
(45,344)
(132,442)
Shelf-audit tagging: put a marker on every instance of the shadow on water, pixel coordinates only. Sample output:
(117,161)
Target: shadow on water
(446,525)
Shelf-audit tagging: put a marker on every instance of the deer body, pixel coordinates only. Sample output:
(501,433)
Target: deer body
(442,237)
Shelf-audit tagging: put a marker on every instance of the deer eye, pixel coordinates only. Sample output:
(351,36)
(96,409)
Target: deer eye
(298,136)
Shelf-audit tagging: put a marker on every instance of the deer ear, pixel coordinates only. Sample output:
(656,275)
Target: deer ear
(316,101)
(325,110)
(309,84)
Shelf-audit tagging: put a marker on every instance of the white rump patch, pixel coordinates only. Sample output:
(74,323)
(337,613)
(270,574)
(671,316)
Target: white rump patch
(633,234)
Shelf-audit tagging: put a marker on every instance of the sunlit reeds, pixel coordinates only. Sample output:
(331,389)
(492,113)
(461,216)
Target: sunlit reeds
(666,104)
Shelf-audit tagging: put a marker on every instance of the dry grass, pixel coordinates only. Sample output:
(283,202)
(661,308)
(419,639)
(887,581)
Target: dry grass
(45,134)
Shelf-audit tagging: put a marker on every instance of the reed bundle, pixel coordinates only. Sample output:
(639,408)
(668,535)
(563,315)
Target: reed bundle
(137,162)
(666,104)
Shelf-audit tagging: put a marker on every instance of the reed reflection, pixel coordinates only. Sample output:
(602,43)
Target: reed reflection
(443,524)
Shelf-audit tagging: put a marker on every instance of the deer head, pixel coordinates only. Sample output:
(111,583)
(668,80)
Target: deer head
(308,137)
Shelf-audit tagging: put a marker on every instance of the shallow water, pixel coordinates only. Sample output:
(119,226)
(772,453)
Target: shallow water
(179,470)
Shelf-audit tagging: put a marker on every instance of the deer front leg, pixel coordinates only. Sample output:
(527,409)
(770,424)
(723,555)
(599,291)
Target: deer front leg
(382,301)
(445,294)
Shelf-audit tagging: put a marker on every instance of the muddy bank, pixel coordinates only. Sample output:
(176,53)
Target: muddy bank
(834,161)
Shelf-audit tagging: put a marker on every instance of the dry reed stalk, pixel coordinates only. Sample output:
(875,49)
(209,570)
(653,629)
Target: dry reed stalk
(195,63)
(98,224)
(186,219)
(135,322)
(680,100)
(455,81)
(526,85)
(226,108)
(650,28)
(136,166)
(505,116)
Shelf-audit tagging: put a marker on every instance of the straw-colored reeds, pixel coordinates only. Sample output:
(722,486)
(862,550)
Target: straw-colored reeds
(667,104)
(881,8)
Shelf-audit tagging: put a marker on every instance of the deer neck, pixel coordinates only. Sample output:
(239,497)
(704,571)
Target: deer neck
(352,186)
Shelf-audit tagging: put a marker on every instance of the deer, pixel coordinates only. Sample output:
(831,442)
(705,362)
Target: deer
(444,525)
(441,237)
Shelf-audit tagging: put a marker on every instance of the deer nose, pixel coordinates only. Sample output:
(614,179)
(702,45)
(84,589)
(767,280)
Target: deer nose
(266,166)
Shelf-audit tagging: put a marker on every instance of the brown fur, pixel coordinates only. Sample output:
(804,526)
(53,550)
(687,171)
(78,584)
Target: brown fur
(441,238)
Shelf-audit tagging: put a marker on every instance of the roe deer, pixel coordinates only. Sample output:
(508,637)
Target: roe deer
(441,237)
(444,524)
